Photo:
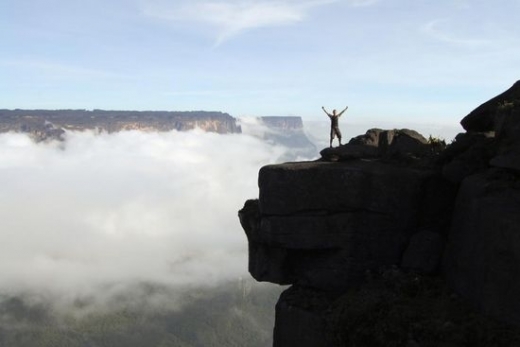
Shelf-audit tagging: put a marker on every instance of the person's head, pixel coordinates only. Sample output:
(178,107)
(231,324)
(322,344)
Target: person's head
(334,112)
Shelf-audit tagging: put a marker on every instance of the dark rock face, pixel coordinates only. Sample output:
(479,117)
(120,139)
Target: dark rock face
(321,226)
(492,138)
(488,116)
(482,259)
(391,197)
(508,155)
(468,154)
(424,252)
(482,255)
(360,216)
(349,152)
(302,310)
(386,144)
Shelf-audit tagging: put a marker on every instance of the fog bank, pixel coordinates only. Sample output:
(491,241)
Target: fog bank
(100,213)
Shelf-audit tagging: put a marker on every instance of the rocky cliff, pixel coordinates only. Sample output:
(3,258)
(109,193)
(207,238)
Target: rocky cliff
(51,124)
(482,259)
(411,217)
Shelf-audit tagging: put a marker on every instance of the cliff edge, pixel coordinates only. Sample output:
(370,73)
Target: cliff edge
(387,212)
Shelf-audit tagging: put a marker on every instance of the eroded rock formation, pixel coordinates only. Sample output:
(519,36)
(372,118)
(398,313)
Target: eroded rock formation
(482,259)
(393,198)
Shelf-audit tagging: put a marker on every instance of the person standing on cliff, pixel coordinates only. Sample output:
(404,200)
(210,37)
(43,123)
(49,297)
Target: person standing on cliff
(334,127)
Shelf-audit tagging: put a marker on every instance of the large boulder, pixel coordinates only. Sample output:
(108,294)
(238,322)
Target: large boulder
(389,144)
(468,154)
(486,117)
(492,138)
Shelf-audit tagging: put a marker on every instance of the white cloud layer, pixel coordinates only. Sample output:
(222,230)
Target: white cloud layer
(111,211)
(232,17)
(439,29)
(362,3)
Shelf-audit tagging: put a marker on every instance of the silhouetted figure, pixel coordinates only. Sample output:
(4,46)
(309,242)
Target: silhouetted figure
(334,127)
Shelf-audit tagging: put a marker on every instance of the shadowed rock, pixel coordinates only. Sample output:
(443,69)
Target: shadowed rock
(485,118)
(322,225)
(388,197)
(482,260)
(378,143)
(424,252)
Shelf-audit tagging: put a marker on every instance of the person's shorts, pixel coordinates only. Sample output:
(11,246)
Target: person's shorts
(335,132)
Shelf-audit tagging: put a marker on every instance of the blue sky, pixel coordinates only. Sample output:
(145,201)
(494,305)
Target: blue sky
(417,60)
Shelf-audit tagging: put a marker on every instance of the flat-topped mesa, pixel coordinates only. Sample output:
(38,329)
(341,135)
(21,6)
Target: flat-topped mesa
(288,132)
(283,122)
(43,124)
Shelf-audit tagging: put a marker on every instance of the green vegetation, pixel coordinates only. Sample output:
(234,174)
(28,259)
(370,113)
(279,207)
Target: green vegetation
(434,140)
(436,144)
(508,105)
(229,315)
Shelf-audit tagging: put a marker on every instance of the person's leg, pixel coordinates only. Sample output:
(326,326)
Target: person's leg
(338,134)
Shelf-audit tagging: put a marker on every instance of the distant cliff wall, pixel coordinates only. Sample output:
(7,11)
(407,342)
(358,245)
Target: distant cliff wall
(289,132)
(283,123)
(42,124)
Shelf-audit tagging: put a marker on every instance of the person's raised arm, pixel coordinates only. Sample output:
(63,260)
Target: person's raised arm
(324,110)
(342,111)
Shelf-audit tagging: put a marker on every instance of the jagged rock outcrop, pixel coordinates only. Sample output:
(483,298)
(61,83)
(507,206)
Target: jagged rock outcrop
(482,261)
(400,144)
(393,198)
(483,251)
(322,225)
(490,115)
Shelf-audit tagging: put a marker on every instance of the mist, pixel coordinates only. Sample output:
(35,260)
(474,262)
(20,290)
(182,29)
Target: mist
(99,214)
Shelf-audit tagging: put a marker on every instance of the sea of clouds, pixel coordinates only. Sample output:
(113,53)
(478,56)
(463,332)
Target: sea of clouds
(98,214)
